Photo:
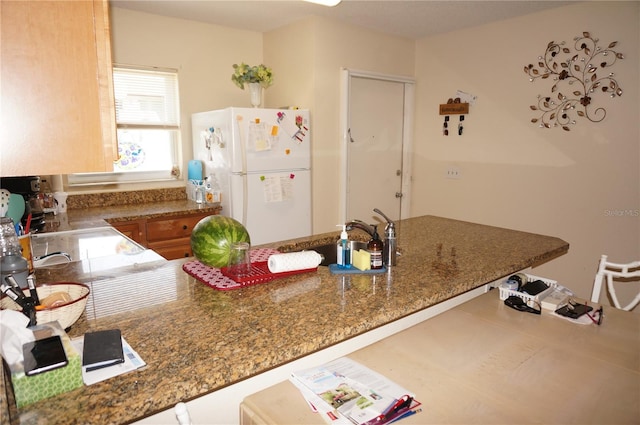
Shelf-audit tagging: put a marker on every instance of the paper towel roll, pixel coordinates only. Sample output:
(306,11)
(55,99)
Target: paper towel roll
(56,183)
(280,263)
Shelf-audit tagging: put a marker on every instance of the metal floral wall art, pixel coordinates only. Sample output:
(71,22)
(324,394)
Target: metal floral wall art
(578,76)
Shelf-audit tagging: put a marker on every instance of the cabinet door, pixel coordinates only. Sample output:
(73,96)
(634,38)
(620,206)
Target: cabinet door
(58,113)
(134,230)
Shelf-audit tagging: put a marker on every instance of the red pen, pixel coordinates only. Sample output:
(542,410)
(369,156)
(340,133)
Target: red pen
(403,401)
(28,226)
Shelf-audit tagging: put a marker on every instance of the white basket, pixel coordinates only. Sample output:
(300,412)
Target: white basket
(66,314)
(505,292)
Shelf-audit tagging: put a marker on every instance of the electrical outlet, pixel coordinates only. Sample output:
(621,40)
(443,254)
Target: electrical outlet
(453,173)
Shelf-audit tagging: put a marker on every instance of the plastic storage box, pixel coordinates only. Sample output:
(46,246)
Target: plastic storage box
(506,292)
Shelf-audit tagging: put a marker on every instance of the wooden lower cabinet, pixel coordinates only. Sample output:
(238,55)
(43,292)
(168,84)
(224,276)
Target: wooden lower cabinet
(169,237)
(134,230)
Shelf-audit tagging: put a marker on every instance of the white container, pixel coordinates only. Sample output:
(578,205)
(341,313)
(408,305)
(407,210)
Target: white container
(506,292)
(61,201)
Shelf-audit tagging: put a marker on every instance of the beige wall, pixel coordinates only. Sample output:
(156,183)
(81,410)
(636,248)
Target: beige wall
(329,46)
(516,175)
(566,184)
(203,55)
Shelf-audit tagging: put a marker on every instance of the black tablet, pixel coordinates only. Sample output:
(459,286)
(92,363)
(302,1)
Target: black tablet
(43,355)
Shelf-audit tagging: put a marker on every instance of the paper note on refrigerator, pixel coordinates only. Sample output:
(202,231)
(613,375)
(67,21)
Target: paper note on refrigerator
(260,136)
(278,188)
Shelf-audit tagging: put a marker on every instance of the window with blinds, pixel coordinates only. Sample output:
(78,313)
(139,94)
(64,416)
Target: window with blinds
(148,127)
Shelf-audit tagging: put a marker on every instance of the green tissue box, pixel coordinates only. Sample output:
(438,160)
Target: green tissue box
(29,389)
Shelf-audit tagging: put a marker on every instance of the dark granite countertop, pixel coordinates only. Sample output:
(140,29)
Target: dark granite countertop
(196,340)
(95,216)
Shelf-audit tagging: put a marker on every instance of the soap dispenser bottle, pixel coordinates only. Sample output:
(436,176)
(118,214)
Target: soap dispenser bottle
(375,247)
(343,253)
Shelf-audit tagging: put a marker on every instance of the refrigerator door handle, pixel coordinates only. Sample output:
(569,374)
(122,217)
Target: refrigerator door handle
(243,153)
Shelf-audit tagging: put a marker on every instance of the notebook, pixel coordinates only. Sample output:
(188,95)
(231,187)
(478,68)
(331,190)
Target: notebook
(102,349)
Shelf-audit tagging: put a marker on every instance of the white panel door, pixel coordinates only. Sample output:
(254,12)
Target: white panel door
(374,148)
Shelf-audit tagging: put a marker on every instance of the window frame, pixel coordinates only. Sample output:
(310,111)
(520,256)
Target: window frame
(116,176)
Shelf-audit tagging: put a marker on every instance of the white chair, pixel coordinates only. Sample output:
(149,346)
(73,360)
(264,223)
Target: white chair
(626,272)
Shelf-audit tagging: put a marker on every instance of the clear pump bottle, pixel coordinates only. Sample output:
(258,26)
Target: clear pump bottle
(343,253)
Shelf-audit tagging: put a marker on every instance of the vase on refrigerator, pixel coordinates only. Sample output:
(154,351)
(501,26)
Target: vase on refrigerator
(255,91)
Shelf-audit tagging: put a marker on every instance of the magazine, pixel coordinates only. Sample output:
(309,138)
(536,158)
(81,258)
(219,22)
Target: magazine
(345,392)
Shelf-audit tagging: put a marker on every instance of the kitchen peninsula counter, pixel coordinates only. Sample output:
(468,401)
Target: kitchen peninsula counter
(197,340)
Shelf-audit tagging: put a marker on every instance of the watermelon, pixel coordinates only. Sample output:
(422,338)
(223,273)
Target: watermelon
(212,237)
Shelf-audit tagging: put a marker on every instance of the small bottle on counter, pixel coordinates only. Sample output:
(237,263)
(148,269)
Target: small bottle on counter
(375,247)
(200,192)
(343,253)
(46,194)
(213,192)
(12,263)
(182,414)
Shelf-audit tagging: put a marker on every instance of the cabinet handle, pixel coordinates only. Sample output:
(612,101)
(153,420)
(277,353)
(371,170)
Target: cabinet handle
(186,254)
(185,227)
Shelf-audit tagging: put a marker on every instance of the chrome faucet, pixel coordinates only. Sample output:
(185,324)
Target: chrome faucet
(390,244)
(359,224)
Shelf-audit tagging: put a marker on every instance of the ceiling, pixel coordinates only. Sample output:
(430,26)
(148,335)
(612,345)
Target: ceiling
(406,18)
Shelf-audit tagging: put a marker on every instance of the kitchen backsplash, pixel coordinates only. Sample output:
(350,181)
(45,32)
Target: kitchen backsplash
(108,199)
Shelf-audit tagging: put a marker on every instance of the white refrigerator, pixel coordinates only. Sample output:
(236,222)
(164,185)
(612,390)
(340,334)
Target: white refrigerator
(261,161)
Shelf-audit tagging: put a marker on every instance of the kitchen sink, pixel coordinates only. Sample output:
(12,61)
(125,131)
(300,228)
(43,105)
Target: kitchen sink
(329,253)
(100,245)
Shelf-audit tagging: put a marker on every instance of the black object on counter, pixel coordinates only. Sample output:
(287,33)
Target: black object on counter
(534,288)
(518,303)
(573,310)
(43,355)
(102,349)
(11,288)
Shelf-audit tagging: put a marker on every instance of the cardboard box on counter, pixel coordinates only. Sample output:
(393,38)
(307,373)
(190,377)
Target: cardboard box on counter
(29,389)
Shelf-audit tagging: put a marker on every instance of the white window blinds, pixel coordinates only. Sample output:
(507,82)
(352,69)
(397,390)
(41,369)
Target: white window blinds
(146,99)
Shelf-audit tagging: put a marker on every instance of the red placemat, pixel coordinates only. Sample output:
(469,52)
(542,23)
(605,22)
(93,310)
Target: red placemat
(214,278)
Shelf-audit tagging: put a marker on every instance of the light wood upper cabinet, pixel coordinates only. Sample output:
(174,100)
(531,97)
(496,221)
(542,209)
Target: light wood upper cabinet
(56,88)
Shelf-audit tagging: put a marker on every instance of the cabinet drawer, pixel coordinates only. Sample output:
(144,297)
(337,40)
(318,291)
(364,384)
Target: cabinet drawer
(173,249)
(165,229)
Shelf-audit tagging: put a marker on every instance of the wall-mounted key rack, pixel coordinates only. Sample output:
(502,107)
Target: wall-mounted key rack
(453,107)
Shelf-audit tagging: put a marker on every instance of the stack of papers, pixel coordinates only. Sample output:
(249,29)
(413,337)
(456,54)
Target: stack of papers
(345,392)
